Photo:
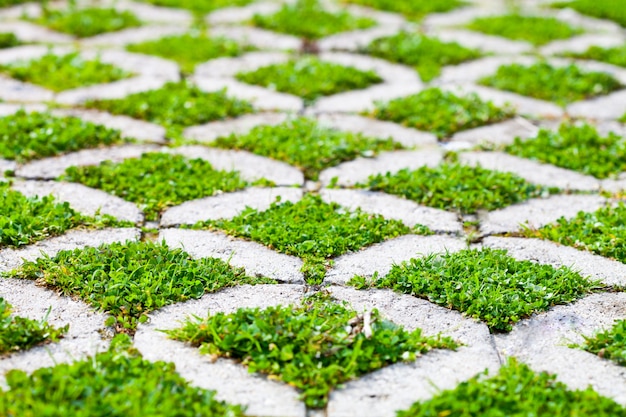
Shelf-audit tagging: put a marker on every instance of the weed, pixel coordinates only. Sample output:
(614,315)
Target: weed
(427,55)
(310,78)
(156,181)
(199,6)
(8,40)
(602,9)
(534,29)
(609,344)
(415,9)
(86,22)
(441,113)
(562,85)
(307,145)
(614,56)
(7,3)
(314,346)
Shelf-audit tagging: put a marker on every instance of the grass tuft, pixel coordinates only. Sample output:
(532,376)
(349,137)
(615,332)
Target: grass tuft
(87,22)
(199,6)
(602,9)
(534,29)
(414,10)
(609,344)
(614,56)
(8,40)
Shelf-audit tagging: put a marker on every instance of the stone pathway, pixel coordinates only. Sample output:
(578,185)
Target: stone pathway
(540,341)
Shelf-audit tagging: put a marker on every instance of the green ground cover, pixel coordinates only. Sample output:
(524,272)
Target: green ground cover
(64,72)
(426,54)
(314,347)
(27,136)
(190,49)
(441,113)
(115,383)
(602,232)
(515,391)
(8,40)
(156,181)
(307,145)
(608,344)
(24,220)
(199,6)
(484,284)
(309,19)
(7,3)
(311,229)
(562,85)
(19,333)
(129,280)
(175,106)
(414,10)
(576,147)
(86,22)
(310,78)
(452,186)
(614,56)
(534,29)
(602,9)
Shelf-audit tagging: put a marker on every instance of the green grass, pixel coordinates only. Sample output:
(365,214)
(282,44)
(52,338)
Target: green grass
(8,40)
(307,145)
(308,19)
(614,56)
(576,147)
(115,383)
(199,6)
(484,284)
(452,186)
(441,113)
(602,232)
(175,106)
(64,72)
(87,22)
(562,85)
(533,29)
(130,280)
(414,10)
(313,347)
(24,220)
(427,55)
(515,391)
(310,78)
(190,49)
(19,333)
(27,136)
(312,230)
(602,9)
(156,181)
(7,3)
(609,344)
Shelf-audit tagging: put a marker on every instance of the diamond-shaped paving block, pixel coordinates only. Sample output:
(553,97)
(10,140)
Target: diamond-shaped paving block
(199,6)
(314,346)
(486,284)
(129,280)
(157,181)
(86,22)
(602,9)
(414,10)
(442,113)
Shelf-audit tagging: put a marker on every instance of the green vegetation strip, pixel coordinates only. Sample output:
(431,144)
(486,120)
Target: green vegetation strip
(27,136)
(8,40)
(199,6)
(190,49)
(441,113)
(485,284)
(515,391)
(427,55)
(64,72)
(534,29)
(609,344)
(415,9)
(602,9)
(156,180)
(19,333)
(115,383)
(308,19)
(452,186)
(562,85)
(87,22)
(311,229)
(602,232)
(577,147)
(129,280)
(310,78)
(6,3)
(614,56)
(313,347)
(305,144)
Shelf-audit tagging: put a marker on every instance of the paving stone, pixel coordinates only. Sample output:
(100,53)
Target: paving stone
(239,126)
(133,35)
(229,67)
(483,42)
(259,38)
(114,90)
(229,15)
(228,205)
(579,44)
(6,165)
(611,106)
(30,32)
(8,109)
(13,90)
(496,134)
(472,71)
(356,40)
(536,213)
(254,257)
(390,73)
(151,13)
(364,100)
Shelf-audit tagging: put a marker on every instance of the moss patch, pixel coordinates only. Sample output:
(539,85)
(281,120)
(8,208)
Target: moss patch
(314,346)
(310,78)
(614,56)
(602,9)
(415,9)
(307,145)
(609,344)
(129,280)
(87,22)
(441,113)
(562,85)
(534,29)
(576,147)
(427,55)
(484,284)
(156,181)
(8,40)
(199,6)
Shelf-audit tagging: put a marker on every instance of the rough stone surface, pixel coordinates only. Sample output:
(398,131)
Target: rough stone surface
(239,126)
